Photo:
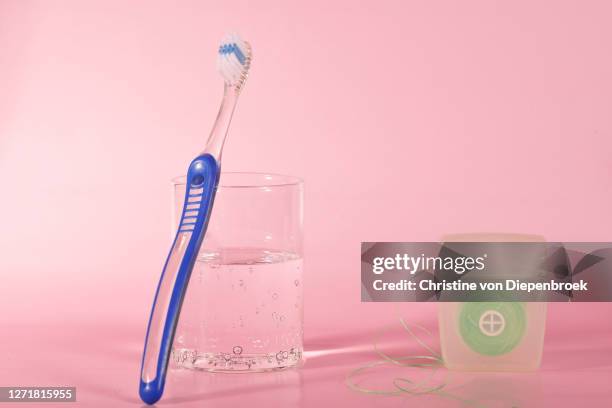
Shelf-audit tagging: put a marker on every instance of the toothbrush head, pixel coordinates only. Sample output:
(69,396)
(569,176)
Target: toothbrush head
(234,60)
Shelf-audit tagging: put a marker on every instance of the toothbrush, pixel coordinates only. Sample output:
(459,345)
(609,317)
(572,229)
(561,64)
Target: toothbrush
(233,62)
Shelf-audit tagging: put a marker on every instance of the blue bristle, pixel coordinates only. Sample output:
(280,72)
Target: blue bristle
(239,55)
(233,48)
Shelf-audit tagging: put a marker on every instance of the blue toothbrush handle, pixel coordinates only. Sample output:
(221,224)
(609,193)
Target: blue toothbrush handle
(201,185)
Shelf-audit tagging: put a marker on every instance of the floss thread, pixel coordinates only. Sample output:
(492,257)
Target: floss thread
(406,386)
(489,328)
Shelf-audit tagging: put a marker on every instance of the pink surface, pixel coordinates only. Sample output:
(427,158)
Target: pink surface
(473,116)
(102,360)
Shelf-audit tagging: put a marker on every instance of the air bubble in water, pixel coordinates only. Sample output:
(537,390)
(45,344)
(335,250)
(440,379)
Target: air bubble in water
(237,350)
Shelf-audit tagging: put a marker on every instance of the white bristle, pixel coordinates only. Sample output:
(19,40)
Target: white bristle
(234,60)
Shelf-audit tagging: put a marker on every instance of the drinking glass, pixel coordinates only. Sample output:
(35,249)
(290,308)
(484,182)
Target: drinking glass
(243,310)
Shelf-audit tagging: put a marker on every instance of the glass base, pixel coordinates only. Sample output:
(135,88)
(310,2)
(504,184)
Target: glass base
(236,361)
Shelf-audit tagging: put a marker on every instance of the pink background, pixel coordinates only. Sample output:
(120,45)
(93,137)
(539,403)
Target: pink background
(407,121)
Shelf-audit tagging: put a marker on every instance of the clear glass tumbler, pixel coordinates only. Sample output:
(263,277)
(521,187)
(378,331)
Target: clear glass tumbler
(243,310)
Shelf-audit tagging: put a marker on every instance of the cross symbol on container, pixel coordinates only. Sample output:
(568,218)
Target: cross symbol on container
(491,323)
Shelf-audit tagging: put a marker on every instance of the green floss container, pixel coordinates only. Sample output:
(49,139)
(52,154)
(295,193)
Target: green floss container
(494,335)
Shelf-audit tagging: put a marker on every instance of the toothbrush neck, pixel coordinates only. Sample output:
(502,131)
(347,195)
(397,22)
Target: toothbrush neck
(214,145)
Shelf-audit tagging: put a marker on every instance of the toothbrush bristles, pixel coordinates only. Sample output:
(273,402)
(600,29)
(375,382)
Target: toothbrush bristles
(234,60)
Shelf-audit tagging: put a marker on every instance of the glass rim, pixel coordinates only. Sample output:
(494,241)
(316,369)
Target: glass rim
(264,180)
